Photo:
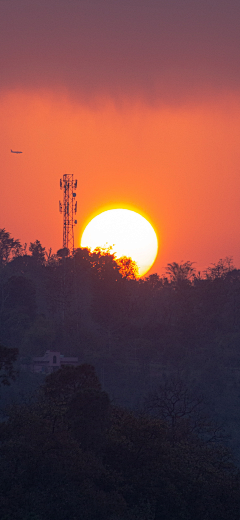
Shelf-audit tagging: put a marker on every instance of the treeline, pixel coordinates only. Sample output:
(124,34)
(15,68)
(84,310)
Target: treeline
(71,453)
(137,333)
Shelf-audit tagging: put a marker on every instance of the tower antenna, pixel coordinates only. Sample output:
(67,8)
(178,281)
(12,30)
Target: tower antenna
(69,209)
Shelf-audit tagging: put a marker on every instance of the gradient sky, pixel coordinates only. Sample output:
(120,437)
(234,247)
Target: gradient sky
(140,100)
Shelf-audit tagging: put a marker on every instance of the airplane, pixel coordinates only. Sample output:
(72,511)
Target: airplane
(12,151)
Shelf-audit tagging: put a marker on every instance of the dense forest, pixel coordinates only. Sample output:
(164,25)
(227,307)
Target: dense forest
(151,424)
(72,454)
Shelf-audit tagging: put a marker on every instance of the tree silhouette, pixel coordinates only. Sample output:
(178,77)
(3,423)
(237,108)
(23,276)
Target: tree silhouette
(38,252)
(9,247)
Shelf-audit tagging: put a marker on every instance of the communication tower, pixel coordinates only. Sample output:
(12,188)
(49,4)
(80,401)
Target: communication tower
(69,209)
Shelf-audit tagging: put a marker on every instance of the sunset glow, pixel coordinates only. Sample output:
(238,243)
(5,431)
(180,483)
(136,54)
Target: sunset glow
(150,123)
(120,259)
(127,234)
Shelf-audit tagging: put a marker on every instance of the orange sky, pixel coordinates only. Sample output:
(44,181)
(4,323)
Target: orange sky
(178,165)
(140,100)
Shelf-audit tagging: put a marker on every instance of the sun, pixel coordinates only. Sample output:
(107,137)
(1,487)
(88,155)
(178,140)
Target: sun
(127,232)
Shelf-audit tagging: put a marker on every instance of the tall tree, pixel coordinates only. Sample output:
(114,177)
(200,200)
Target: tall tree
(37,251)
(9,247)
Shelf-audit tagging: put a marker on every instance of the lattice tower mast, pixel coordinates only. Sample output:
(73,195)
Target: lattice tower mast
(69,209)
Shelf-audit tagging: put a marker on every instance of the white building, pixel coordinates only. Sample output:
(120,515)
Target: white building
(48,363)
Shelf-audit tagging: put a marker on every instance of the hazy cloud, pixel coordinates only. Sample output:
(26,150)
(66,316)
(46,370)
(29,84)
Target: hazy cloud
(159,50)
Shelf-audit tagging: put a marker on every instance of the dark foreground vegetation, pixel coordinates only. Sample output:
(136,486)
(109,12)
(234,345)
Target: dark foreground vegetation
(74,455)
(144,437)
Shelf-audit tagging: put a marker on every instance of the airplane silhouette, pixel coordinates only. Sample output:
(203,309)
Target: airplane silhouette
(12,151)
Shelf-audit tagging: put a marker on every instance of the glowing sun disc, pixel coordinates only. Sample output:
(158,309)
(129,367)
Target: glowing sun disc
(127,232)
